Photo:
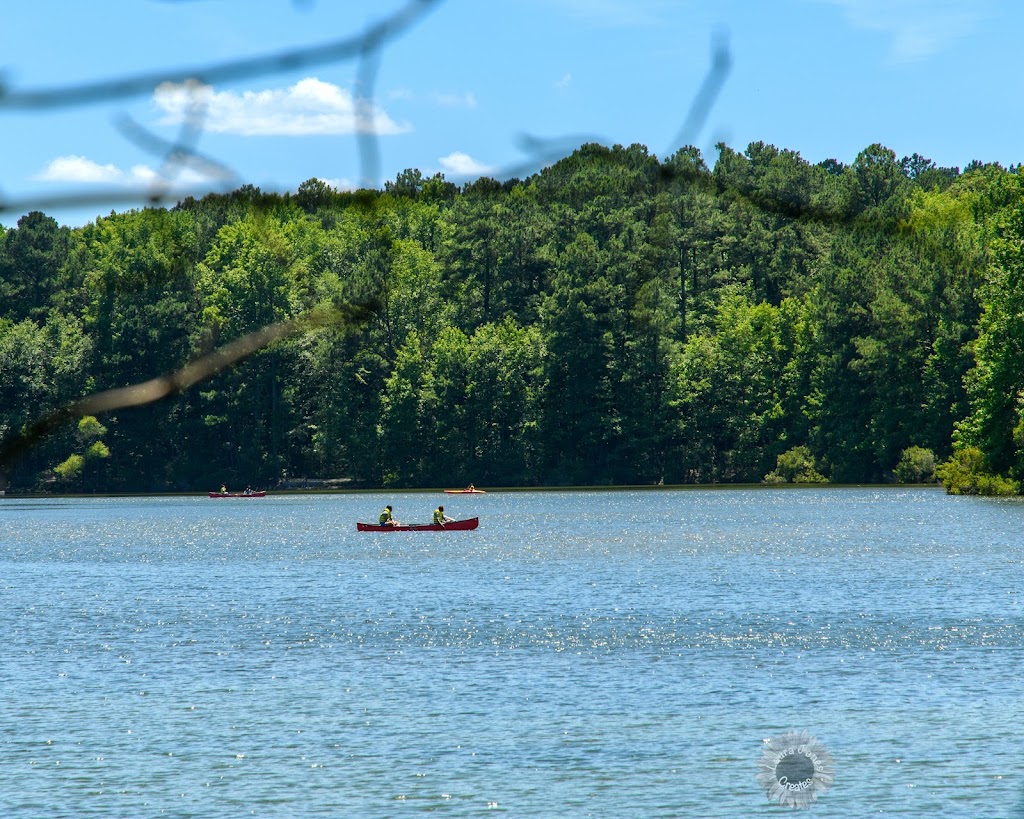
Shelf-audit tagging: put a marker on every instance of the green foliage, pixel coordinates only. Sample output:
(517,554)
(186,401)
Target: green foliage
(403,427)
(996,383)
(42,368)
(730,387)
(504,393)
(71,469)
(611,319)
(97,449)
(796,465)
(89,429)
(916,465)
(967,473)
(31,256)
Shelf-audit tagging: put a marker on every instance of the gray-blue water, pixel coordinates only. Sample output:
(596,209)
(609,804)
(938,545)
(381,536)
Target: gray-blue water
(607,654)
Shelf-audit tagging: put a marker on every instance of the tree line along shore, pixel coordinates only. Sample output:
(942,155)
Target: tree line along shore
(613,319)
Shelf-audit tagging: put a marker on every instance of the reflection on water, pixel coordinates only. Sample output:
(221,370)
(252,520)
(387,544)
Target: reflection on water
(590,653)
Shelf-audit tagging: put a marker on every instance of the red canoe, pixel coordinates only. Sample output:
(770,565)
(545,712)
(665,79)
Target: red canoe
(238,494)
(455,526)
(464,492)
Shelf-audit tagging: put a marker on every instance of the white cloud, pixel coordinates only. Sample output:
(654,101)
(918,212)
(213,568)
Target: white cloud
(310,107)
(74,168)
(79,169)
(564,81)
(458,163)
(917,28)
(339,184)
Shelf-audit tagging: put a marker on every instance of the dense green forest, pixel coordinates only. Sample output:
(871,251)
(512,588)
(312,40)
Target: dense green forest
(613,319)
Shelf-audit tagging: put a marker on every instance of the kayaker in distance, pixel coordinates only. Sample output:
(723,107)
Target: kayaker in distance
(440,518)
(385,517)
(223,488)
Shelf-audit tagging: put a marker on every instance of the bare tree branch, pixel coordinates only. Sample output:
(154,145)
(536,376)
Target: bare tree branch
(123,87)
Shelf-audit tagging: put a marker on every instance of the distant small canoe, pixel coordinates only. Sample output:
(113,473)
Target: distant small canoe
(464,492)
(454,526)
(238,494)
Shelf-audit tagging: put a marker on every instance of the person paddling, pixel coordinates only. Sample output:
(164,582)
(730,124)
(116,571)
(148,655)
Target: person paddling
(440,518)
(386,518)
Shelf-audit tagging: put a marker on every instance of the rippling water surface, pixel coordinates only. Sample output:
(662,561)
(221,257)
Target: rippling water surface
(607,654)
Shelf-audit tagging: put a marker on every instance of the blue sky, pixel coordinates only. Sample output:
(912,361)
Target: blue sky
(485,87)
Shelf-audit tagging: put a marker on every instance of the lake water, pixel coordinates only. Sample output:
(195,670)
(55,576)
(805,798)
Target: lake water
(607,654)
